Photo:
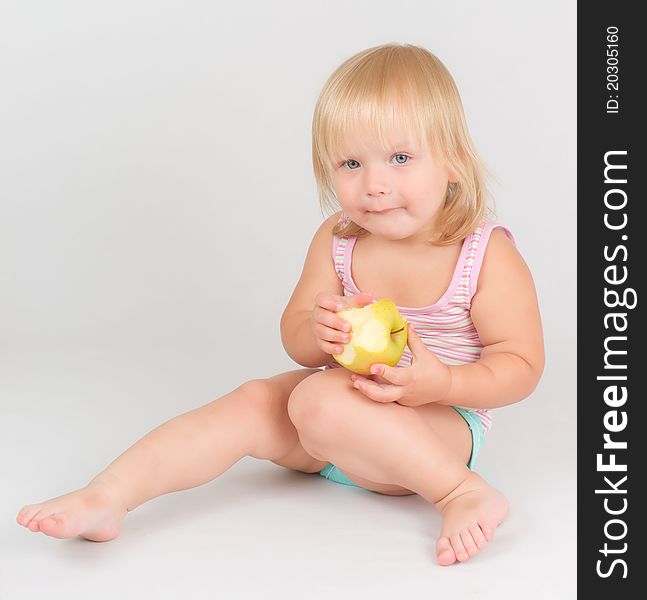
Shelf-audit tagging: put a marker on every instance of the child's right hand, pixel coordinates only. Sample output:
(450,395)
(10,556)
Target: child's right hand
(329,330)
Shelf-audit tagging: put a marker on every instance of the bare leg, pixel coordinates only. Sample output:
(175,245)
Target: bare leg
(185,452)
(397,448)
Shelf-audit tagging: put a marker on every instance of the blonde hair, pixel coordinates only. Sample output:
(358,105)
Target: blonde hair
(400,83)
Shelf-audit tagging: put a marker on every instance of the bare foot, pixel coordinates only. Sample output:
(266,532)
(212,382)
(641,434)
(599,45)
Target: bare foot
(471,513)
(94,512)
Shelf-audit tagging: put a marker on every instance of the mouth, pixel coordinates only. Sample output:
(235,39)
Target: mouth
(382,212)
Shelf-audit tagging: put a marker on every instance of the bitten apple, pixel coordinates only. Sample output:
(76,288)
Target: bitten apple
(378,335)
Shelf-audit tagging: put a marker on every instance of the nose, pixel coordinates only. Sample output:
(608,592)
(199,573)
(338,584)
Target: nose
(377,183)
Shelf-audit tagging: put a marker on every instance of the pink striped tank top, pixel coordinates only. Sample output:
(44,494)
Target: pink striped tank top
(445,327)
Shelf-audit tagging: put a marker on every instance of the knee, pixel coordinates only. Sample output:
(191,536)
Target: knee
(308,405)
(262,407)
(258,398)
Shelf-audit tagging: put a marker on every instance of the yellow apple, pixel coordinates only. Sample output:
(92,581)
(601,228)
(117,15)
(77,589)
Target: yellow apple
(378,335)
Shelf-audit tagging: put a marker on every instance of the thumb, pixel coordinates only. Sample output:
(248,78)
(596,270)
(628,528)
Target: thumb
(416,345)
(357,300)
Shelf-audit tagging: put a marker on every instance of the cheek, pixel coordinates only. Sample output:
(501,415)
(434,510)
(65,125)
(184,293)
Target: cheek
(339,187)
(433,188)
(345,193)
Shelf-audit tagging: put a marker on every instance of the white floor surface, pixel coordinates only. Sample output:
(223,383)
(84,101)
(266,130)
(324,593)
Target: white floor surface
(259,531)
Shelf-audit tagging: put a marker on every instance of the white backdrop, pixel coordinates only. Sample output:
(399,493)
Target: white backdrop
(157,201)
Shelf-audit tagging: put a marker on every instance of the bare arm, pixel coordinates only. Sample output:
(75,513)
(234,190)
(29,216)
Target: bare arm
(318,276)
(505,313)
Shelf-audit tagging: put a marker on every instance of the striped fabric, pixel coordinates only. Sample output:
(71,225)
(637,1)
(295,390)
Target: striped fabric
(445,327)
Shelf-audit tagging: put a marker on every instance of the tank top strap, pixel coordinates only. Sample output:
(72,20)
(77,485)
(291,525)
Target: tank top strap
(339,246)
(341,249)
(476,244)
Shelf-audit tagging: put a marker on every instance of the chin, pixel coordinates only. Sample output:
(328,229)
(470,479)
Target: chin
(389,231)
(391,236)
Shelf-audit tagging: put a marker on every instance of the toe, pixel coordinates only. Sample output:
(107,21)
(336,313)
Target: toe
(488,531)
(34,521)
(477,536)
(54,525)
(444,552)
(468,542)
(459,548)
(33,525)
(21,519)
(27,513)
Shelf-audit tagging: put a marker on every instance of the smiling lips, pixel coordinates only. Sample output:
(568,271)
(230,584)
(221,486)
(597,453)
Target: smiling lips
(382,212)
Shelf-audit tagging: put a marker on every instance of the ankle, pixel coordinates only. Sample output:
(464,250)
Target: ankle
(471,482)
(111,485)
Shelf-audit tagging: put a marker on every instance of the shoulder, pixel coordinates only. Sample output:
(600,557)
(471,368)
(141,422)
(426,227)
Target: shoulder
(502,262)
(329,224)
(325,231)
(322,240)
(499,242)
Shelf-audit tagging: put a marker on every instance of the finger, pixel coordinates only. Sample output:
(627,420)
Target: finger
(415,343)
(394,375)
(371,379)
(375,391)
(330,319)
(358,300)
(330,347)
(379,379)
(328,301)
(328,334)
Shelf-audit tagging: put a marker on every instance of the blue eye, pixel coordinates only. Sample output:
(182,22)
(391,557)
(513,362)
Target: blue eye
(353,165)
(347,163)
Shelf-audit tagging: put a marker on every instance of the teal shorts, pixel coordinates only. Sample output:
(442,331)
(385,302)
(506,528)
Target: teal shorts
(331,472)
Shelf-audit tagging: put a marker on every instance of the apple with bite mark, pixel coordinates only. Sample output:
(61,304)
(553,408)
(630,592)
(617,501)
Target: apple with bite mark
(378,335)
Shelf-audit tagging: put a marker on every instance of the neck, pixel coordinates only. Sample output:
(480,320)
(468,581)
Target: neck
(418,240)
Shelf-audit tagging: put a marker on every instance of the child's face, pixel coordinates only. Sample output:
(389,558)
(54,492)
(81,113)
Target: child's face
(393,194)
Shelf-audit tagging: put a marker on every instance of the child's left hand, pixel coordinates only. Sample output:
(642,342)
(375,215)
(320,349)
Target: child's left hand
(426,380)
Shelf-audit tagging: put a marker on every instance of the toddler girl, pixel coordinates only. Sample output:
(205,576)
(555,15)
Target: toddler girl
(390,147)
